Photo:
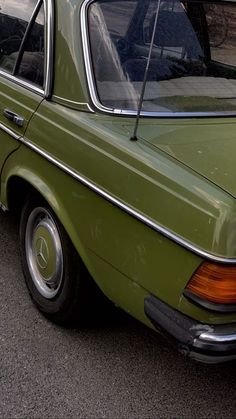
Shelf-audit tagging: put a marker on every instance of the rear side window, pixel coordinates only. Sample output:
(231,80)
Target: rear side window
(22,39)
(192,65)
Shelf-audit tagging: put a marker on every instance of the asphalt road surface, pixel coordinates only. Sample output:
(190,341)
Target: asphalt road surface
(118,369)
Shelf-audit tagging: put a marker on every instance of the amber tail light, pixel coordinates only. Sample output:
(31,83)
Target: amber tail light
(214,283)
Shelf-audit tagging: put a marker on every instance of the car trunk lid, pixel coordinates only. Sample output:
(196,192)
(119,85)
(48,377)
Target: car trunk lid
(207,147)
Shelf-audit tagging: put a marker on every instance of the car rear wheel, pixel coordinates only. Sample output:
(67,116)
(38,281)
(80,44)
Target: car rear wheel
(55,276)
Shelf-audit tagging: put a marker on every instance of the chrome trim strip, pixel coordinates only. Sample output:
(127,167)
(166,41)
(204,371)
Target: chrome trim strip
(169,114)
(90,109)
(129,210)
(9,132)
(127,112)
(217,338)
(72,103)
(22,83)
(49,11)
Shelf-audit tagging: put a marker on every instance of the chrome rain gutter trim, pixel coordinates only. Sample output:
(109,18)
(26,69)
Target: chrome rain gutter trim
(129,210)
(127,112)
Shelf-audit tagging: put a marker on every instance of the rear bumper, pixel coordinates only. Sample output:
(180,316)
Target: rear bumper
(205,343)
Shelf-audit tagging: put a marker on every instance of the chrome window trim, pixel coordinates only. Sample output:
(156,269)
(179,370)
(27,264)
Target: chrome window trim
(47,90)
(22,83)
(128,209)
(92,85)
(87,57)
(49,13)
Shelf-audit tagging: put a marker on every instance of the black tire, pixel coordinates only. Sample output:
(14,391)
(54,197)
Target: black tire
(56,278)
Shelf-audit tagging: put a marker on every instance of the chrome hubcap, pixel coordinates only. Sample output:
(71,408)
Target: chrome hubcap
(44,252)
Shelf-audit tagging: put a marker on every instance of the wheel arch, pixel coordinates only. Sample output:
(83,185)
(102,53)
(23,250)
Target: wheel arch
(21,184)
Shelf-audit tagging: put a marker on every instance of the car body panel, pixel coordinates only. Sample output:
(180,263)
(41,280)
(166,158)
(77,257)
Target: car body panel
(207,147)
(69,78)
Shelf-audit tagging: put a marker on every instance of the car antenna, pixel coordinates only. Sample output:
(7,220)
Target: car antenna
(134,136)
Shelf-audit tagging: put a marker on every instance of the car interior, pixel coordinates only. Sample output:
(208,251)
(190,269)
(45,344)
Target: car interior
(31,67)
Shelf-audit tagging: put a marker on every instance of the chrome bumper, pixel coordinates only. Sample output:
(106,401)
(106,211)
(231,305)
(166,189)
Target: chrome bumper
(205,343)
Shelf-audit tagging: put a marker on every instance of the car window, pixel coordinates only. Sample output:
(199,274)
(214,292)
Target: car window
(221,28)
(123,16)
(14,19)
(31,66)
(192,67)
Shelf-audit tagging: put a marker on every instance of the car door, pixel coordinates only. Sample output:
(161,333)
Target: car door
(22,52)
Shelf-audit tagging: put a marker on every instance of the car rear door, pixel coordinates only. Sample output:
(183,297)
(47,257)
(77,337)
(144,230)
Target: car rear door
(22,64)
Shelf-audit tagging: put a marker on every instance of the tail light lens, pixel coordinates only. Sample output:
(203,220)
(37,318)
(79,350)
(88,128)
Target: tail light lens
(214,283)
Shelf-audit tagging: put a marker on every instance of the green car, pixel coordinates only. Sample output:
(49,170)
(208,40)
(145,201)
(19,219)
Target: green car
(118,149)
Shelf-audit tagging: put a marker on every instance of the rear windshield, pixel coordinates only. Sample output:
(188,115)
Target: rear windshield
(193,61)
